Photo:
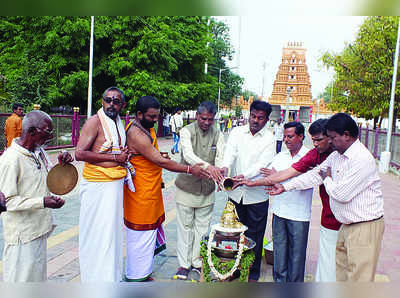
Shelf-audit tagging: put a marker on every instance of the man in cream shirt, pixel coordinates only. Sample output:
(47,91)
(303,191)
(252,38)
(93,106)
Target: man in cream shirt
(250,148)
(28,222)
(201,143)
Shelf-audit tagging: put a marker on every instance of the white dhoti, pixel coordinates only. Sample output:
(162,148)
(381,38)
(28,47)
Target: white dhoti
(193,222)
(100,231)
(326,267)
(140,246)
(26,262)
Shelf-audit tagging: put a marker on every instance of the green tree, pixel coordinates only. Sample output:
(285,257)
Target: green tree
(45,59)
(364,69)
(231,83)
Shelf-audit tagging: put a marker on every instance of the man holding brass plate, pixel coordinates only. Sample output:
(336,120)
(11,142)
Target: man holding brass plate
(28,221)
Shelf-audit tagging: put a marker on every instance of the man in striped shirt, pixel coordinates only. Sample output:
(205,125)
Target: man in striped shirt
(351,179)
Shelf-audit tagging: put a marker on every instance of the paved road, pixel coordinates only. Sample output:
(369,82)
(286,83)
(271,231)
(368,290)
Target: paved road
(63,262)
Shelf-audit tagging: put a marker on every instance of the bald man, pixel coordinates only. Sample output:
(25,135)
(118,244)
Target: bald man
(28,221)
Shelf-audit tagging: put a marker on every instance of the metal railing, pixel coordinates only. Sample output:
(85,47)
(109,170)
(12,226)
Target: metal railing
(375,141)
(66,129)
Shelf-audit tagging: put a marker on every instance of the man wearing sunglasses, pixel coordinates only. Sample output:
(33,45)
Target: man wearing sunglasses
(28,220)
(102,146)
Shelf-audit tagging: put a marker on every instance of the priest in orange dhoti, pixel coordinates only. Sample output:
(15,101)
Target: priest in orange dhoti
(143,207)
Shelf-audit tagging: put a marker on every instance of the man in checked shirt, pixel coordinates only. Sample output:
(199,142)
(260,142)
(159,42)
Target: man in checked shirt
(352,182)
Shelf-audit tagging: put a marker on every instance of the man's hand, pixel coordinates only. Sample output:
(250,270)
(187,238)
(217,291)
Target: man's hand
(259,182)
(64,158)
(237,181)
(198,171)
(124,157)
(53,202)
(215,173)
(325,173)
(224,171)
(267,172)
(275,189)
(2,202)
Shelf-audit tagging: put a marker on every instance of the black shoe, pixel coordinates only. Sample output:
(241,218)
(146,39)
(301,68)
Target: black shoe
(172,151)
(182,273)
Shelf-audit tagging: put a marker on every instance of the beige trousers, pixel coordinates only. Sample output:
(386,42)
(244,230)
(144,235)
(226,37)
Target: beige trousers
(26,262)
(192,224)
(357,250)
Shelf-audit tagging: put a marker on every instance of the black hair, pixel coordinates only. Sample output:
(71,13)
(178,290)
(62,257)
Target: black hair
(299,127)
(207,107)
(342,122)
(260,105)
(16,106)
(317,127)
(178,109)
(115,89)
(145,103)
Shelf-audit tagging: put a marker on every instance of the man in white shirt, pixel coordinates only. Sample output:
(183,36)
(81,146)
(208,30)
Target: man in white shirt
(166,124)
(278,134)
(28,220)
(250,148)
(352,182)
(201,143)
(292,213)
(176,124)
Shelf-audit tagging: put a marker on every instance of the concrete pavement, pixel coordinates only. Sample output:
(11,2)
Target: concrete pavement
(63,262)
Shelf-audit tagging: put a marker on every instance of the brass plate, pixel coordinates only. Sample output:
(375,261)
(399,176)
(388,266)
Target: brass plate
(62,179)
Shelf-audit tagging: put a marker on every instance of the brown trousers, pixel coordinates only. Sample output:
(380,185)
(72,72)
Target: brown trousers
(357,250)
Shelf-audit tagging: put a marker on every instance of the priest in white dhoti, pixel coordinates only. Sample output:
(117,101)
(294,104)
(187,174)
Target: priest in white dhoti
(102,146)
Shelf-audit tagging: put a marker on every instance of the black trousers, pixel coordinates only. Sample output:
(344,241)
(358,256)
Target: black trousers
(254,216)
(278,146)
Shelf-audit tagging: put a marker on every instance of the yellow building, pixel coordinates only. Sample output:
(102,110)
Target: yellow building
(292,86)
(291,90)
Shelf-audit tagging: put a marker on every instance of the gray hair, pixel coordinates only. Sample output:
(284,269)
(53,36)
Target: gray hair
(207,107)
(115,89)
(34,119)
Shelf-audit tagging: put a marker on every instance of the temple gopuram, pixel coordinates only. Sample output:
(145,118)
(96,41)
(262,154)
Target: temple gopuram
(291,90)
(292,86)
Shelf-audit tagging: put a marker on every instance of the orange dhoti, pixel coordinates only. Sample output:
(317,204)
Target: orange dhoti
(144,208)
(143,216)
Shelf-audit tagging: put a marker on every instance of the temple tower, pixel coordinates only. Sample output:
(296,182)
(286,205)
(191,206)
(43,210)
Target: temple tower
(292,87)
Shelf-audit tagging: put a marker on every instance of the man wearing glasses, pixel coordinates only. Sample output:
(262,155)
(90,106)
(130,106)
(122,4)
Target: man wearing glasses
(28,221)
(102,146)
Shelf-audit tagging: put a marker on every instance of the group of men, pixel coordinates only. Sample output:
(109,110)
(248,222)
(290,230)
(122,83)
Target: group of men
(352,222)
(121,187)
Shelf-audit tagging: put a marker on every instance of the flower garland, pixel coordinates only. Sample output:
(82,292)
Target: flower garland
(237,261)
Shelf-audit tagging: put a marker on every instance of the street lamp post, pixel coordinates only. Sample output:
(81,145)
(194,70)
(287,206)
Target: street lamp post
(89,109)
(385,155)
(219,85)
(219,90)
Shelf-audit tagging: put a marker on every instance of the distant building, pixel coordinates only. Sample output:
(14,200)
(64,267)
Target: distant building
(292,88)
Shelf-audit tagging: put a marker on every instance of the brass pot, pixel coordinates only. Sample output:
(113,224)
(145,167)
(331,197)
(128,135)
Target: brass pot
(228,183)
